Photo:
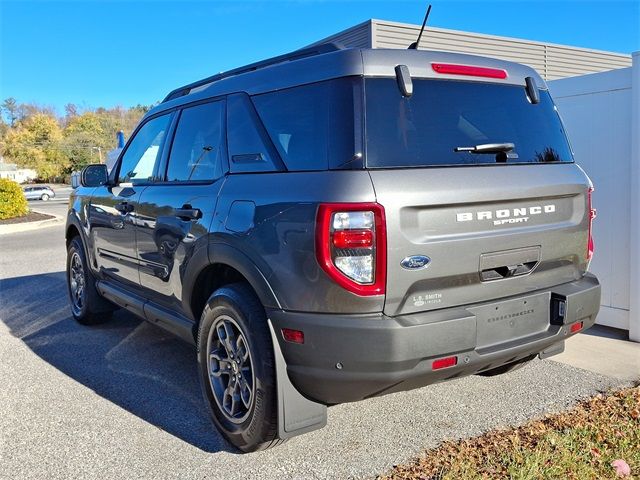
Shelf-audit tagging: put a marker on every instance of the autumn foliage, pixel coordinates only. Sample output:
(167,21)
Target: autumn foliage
(599,438)
(35,137)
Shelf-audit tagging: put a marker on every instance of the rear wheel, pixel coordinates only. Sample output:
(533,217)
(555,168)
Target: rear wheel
(44,197)
(236,364)
(87,306)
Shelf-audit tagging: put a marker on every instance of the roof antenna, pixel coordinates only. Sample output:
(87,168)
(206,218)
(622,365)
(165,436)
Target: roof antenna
(414,45)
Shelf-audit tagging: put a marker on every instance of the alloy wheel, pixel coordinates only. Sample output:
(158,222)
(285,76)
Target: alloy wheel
(76,283)
(230,369)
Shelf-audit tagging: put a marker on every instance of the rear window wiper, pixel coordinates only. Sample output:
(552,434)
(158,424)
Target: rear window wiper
(487,148)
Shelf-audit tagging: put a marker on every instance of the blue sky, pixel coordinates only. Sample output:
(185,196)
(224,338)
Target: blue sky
(106,53)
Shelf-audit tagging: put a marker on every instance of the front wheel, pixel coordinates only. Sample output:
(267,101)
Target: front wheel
(44,197)
(87,306)
(237,372)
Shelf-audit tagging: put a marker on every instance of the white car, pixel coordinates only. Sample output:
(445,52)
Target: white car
(39,192)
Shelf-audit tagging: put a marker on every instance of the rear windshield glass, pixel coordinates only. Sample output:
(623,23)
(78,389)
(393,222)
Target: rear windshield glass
(311,126)
(442,115)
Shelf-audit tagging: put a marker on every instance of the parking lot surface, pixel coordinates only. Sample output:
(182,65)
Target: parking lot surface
(122,400)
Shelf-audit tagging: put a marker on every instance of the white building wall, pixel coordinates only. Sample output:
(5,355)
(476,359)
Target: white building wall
(20,175)
(550,60)
(634,207)
(599,111)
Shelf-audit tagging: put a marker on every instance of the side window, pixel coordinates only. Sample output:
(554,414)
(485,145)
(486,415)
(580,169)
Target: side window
(312,126)
(139,160)
(250,148)
(198,148)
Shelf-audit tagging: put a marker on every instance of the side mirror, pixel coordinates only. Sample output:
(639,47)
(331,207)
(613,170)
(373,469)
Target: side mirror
(94,175)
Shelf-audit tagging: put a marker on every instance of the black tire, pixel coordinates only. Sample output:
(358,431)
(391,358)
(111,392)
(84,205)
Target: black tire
(87,308)
(44,197)
(509,367)
(254,425)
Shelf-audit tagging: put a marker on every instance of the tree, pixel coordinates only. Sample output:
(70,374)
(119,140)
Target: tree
(33,137)
(37,143)
(12,110)
(4,128)
(18,112)
(70,110)
(85,140)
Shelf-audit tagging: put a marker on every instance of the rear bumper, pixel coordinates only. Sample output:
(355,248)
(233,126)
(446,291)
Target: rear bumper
(379,354)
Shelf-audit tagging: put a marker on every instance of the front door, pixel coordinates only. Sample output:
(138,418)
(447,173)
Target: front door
(179,208)
(113,212)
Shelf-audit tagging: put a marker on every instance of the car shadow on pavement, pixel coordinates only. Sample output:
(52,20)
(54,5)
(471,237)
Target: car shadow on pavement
(128,361)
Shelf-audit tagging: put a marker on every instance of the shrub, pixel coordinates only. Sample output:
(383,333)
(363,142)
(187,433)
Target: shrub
(12,201)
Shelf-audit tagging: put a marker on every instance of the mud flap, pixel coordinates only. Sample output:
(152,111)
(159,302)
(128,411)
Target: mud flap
(296,414)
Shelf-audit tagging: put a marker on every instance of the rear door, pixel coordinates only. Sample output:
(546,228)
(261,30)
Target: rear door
(177,210)
(490,224)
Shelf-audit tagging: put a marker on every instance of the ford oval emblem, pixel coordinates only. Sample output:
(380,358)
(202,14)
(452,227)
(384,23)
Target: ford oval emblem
(415,262)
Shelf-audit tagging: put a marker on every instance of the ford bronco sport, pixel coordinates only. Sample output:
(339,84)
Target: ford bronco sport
(337,224)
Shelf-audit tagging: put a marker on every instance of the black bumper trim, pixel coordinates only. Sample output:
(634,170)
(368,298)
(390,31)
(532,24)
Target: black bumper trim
(380,354)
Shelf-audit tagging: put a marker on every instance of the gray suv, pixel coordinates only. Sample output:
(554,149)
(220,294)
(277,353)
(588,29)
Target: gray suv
(337,224)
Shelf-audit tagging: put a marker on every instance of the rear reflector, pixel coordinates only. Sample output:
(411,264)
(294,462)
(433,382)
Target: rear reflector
(469,70)
(444,363)
(294,336)
(576,327)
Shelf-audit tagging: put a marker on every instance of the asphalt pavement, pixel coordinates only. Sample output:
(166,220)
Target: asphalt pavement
(122,401)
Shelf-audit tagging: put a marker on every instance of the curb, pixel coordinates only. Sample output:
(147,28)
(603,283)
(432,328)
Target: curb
(27,226)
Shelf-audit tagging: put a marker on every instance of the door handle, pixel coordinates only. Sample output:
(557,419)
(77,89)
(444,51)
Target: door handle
(188,213)
(507,271)
(124,207)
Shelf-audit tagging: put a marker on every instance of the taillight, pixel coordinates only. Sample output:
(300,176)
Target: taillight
(468,70)
(351,245)
(592,214)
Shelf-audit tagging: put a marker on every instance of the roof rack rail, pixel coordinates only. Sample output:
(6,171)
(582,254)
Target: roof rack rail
(287,57)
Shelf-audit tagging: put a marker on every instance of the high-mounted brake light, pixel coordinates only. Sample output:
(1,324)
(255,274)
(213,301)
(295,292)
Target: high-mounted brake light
(468,70)
(351,245)
(592,214)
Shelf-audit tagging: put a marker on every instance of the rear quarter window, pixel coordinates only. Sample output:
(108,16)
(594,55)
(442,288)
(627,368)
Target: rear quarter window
(311,126)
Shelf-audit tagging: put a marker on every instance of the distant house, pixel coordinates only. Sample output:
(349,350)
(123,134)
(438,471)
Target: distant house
(13,172)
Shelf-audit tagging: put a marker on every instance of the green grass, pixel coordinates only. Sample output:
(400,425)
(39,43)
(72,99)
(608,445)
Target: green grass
(578,444)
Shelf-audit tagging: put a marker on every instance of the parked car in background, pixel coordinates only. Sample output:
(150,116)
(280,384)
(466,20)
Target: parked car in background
(39,192)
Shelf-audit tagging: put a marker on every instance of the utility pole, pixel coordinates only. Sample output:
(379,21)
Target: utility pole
(99,153)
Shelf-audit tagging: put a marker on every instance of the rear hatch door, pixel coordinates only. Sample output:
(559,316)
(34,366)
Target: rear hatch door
(469,226)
